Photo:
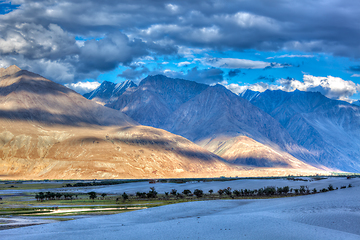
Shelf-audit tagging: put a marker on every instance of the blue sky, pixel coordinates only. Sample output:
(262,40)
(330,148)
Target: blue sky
(306,45)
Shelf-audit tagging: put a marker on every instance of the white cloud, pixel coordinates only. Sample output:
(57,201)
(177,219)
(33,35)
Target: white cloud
(234,63)
(83,87)
(355,75)
(172,7)
(291,56)
(331,87)
(181,64)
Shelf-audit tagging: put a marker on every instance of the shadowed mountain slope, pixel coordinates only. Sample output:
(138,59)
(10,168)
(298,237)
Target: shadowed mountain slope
(28,96)
(156,98)
(329,129)
(217,115)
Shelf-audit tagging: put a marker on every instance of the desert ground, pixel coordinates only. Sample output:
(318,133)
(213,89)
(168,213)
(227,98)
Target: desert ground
(329,215)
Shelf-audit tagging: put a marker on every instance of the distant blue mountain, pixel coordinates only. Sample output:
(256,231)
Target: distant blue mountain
(357,103)
(156,98)
(329,129)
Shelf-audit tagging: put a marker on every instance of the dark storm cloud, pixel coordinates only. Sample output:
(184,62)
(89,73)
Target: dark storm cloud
(45,30)
(355,68)
(263,78)
(234,73)
(107,53)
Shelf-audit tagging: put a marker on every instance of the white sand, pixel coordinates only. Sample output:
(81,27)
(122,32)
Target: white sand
(331,215)
(132,188)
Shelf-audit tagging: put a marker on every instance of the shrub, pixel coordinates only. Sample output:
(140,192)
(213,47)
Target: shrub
(314,190)
(331,188)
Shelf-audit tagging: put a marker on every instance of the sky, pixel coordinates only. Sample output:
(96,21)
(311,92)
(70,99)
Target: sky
(245,44)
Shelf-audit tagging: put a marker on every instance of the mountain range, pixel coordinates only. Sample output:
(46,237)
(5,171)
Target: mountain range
(329,129)
(166,128)
(294,126)
(48,131)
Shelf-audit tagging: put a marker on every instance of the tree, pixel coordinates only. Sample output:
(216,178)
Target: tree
(152,193)
(220,192)
(103,195)
(314,190)
(211,191)
(186,192)
(199,193)
(41,196)
(92,195)
(125,196)
(58,195)
(173,192)
(237,193)
(141,194)
(227,191)
(330,187)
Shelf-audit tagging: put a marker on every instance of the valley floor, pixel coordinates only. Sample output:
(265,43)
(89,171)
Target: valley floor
(329,215)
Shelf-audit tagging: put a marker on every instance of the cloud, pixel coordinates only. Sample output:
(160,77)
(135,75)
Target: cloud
(182,64)
(83,87)
(355,75)
(134,74)
(107,53)
(118,32)
(234,63)
(207,76)
(331,87)
(234,72)
(266,78)
(355,68)
(292,56)
(37,42)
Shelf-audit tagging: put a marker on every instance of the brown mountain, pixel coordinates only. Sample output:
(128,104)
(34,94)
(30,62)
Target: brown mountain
(50,131)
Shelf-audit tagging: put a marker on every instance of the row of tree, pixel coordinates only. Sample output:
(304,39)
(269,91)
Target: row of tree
(266,191)
(41,196)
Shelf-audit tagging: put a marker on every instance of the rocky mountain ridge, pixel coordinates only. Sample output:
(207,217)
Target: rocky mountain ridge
(329,129)
(108,92)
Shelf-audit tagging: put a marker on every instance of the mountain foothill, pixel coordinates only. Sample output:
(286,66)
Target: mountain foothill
(169,128)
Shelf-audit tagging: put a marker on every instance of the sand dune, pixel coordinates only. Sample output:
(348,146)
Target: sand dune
(331,215)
